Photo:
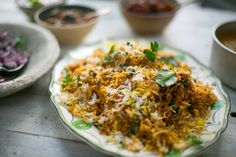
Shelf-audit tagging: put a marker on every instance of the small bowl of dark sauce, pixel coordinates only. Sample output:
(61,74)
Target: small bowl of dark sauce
(69,23)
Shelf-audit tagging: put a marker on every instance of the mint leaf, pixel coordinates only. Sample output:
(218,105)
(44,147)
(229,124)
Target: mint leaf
(194,139)
(173,153)
(166,78)
(150,55)
(154,46)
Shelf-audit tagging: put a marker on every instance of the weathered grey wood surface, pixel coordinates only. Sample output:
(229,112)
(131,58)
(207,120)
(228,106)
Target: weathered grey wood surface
(29,126)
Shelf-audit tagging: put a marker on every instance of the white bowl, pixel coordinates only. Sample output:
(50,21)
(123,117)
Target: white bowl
(43,49)
(223,59)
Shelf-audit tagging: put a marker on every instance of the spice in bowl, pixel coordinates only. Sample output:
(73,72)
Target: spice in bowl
(150,6)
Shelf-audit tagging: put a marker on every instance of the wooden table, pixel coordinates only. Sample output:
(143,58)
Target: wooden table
(29,126)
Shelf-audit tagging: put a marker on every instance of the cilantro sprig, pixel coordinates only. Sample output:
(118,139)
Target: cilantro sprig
(108,58)
(67,79)
(166,78)
(151,54)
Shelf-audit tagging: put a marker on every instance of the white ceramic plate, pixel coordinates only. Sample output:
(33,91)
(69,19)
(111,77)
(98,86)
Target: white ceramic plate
(43,49)
(215,125)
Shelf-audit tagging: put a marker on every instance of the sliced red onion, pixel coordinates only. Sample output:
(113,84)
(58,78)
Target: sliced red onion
(9,56)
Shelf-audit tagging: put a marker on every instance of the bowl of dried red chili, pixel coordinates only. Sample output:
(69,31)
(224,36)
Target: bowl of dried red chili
(148,17)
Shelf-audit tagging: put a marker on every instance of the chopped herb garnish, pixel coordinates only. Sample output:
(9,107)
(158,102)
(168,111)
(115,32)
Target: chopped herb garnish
(151,54)
(35,3)
(20,42)
(136,123)
(78,78)
(107,59)
(112,49)
(67,79)
(154,46)
(133,129)
(173,153)
(194,139)
(166,78)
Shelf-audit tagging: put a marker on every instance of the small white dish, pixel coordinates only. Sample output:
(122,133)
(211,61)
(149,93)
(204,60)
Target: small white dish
(223,59)
(43,49)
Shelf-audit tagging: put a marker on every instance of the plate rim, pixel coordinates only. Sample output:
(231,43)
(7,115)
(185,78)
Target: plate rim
(101,149)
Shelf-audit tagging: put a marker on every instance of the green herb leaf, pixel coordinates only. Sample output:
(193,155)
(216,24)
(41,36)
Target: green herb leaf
(107,59)
(112,49)
(150,55)
(67,79)
(35,3)
(154,46)
(173,153)
(194,139)
(218,105)
(78,78)
(20,42)
(133,129)
(166,78)
(169,60)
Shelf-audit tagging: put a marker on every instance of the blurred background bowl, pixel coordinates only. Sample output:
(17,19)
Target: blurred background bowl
(41,46)
(29,7)
(67,35)
(223,59)
(148,23)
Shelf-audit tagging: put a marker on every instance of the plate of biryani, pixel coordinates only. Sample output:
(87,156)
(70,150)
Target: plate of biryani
(139,98)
